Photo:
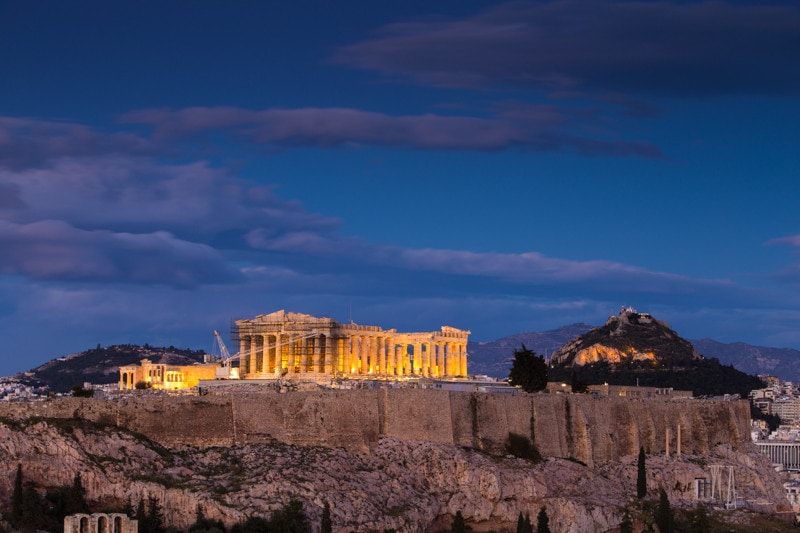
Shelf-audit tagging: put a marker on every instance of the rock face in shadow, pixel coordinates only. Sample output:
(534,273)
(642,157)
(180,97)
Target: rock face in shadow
(408,485)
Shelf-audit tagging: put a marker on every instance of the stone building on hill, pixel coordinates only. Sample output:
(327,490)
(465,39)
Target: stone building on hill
(163,376)
(304,347)
(299,345)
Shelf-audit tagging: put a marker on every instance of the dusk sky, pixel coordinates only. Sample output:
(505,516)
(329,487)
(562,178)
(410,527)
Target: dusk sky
(167,167)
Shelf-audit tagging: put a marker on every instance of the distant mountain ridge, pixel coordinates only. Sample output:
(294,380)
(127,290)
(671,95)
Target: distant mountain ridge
(494,358)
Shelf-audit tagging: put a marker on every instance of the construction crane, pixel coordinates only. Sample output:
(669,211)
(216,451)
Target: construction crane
(226,371)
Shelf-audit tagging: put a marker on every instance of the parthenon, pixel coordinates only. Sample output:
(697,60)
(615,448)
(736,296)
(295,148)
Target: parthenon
(297,345)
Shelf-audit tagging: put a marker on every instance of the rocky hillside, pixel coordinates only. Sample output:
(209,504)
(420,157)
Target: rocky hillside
(637,349)
(411,486)
(628,337)
(101,365)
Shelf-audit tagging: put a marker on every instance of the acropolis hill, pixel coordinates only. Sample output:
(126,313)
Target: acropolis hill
(387,458)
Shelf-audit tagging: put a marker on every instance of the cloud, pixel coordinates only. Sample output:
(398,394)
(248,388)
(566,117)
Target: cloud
(792,240)
(706,48)
(137,195)
(54,250)
(545,130)
(27,142)
(790,274)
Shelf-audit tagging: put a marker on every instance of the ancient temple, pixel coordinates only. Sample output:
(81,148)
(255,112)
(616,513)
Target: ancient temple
(299,345)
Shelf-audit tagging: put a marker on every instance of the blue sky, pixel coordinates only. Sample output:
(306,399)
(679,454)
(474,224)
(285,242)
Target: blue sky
(167,167)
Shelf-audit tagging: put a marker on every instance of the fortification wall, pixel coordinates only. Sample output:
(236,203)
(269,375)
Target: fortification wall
(578,426)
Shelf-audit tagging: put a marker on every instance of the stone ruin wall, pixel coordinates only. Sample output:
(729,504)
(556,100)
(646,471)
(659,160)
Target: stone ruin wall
(577,426)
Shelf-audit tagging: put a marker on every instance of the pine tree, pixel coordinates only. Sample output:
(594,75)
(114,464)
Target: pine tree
(458,524)
(141,516)
(326,524)
(155,516)
(641,476)
(542,522)
(528,371)
(527,524)
(665,519)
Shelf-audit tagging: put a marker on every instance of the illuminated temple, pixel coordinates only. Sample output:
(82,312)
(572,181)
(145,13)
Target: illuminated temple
(295,344)
(298,346)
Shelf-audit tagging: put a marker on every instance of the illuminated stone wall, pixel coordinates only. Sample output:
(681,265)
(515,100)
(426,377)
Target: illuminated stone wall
(164,377)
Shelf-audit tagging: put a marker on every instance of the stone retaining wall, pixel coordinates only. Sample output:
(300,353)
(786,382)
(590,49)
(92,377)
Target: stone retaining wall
(571,426)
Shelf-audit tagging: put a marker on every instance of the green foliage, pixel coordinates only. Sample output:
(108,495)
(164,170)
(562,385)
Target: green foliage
(289,519)
(706,377)
(542,521)
(528,370)
(459,526)
(92,365)
(522,447)
(142,385)
(626,526)
(33,509)
(773,421)
(577,386)
(205,525)
(254,524)
(79,392)
(641,476)
(326,524)
(698,520)
(16,498)
(665,519)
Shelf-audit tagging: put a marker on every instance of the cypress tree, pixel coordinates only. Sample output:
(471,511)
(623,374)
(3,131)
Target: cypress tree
(521,523)
(458,524)
(641,476)
(665,519)
(16,498)
(528,526)
(542,522)
(326,525)
(76,498)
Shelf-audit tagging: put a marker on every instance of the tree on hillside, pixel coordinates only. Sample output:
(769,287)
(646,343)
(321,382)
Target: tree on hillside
(16,498)
(528,370)
(626,526)
(542,522)
(665,518)
(459,526)
(641,476)
(326,524)
(576,384)
(76,497)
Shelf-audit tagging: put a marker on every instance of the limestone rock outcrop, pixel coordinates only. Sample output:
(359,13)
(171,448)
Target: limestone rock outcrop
(408,485)
(628,337)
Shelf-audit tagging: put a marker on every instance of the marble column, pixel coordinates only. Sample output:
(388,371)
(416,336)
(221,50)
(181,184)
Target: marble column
(278,354)
(391,357)
(328,363)
(380,366)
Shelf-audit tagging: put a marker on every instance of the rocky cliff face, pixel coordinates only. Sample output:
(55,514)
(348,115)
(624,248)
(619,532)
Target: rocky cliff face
(412,486)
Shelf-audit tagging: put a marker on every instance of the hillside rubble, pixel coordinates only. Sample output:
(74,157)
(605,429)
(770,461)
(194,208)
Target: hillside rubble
(411,486)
